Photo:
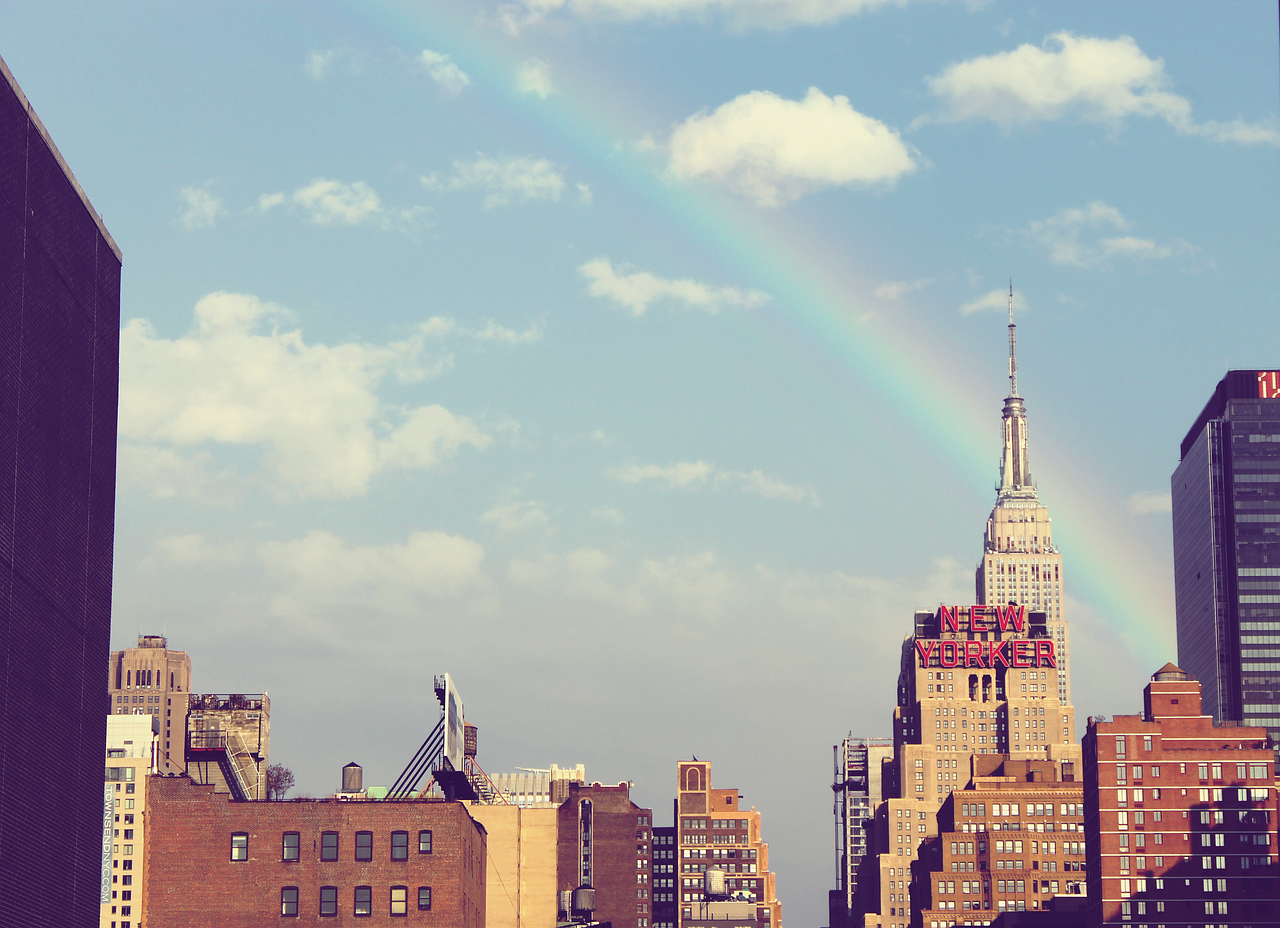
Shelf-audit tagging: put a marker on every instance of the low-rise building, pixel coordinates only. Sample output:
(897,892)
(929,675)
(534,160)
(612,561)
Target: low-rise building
(1180,814)
(1010,841)
(212,861)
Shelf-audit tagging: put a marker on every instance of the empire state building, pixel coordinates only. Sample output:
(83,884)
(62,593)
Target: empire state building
(1020,563)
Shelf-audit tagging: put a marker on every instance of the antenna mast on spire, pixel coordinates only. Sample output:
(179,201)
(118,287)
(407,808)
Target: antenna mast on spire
(1013,360)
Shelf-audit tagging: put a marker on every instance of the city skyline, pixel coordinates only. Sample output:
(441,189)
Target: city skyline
(451,342)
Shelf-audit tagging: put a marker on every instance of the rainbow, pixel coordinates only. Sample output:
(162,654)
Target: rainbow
(820,309)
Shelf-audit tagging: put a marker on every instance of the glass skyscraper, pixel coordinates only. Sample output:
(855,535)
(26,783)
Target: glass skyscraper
(1226,550)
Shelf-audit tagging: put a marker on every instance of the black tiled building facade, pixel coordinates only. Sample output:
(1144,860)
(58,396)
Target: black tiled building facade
(1226,550)
(59,373)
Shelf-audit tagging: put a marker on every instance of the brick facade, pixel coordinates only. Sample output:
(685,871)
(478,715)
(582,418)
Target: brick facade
(193,882)
(1180,815)
(1011,841)
(604,839)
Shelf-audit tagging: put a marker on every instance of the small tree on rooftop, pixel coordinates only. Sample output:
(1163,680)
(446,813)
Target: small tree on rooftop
(279,781)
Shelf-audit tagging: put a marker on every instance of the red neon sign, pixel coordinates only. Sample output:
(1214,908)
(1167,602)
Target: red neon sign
(1011,652)
(1268,385)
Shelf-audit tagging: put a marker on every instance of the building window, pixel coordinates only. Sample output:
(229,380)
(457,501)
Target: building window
(424,898)
(424,843)
(289,901)
(364,900)
(329,846)
(328,901)
(289,849)
(399,845)
(399,900)
(240,845)
(364,845)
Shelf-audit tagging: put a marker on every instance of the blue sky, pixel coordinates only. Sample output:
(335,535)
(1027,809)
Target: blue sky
(640,363)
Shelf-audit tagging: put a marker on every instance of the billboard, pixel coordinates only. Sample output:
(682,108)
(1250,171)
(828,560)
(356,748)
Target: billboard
(1006,652)
(454,725)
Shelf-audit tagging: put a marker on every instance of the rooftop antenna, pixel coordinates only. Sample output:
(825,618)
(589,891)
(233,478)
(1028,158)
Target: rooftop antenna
(1013,360)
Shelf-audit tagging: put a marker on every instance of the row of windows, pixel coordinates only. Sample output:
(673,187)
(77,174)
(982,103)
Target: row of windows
(291,847)
(362,901)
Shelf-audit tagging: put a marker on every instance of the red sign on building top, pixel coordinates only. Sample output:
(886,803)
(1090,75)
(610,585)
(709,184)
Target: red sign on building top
(1268,385)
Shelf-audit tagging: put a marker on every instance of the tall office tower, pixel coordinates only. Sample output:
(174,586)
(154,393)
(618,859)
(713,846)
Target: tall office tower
(1020,562)
(976,680)
(857,787)
(152,680)
(1226,550)
(723,858)
(59,386)
(1180,815)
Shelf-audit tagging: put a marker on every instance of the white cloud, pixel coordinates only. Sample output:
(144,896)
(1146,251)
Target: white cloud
(638,289)
(585,196)
(995,299)
(681,475)
(331,202)
(534,77)
(896,289)
(688,474)
(451,78)
(1095,80)
(507,180)
(270,201)
(736,13)
(311,408)
(1063,235)
(317,63)
(192,551)
(321,570)
(1145,502)
(774,150)
(607,516)
(203,209)
(517,516)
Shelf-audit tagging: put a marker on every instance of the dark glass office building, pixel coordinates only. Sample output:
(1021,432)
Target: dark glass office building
(59,375)
(1226,550)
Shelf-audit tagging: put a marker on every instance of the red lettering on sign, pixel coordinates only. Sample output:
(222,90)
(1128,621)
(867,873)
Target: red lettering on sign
(1020,656)
(978,619)
(997,654)
(1044,653)
(1268,385)
(925,648)
(949,618)
(1011,614)
(952,659)
(974,652)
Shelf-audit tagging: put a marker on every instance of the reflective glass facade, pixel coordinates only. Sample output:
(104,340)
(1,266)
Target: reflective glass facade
(1226,546)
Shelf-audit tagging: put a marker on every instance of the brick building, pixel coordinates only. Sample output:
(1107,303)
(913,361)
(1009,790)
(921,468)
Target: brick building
(59,387)
(229,742)
(215,862)
(604,841)
(152,680)
(894,835)
(1010,841)
(1180,815)
(713,833)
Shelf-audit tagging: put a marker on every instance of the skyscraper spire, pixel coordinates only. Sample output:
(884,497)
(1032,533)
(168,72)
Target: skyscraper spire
(1013,358)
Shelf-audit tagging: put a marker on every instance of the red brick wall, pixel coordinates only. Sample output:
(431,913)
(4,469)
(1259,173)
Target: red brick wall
(193,883)
(620,870)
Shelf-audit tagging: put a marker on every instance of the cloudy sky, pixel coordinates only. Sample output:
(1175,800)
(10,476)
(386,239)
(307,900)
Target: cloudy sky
(639,362)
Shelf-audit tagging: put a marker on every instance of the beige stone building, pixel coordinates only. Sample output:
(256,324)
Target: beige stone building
(521,871)
(152,680)
(133,753)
